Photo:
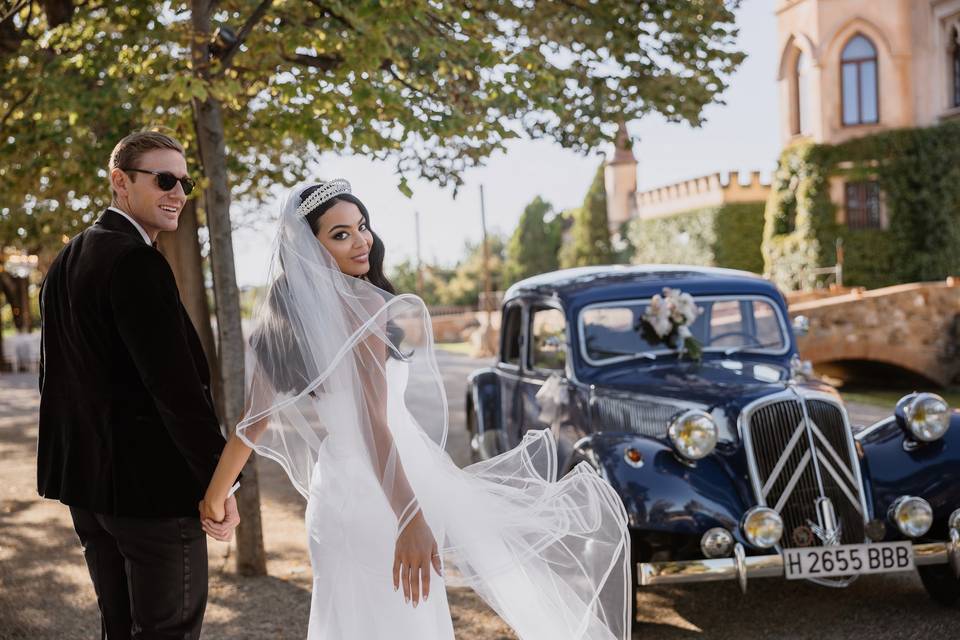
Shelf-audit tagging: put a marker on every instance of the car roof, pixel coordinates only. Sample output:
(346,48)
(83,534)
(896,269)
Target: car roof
(583,285)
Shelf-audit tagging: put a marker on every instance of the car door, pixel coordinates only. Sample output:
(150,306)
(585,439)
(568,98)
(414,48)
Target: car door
(545,356)
(509,372)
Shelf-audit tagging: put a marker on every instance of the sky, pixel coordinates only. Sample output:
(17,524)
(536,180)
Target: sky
(739,135)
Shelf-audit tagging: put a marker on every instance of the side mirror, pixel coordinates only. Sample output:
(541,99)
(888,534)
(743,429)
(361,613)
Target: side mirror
(801,326)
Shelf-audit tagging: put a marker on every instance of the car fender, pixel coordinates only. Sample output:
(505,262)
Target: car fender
(483,394)
(894,465)
(667,494)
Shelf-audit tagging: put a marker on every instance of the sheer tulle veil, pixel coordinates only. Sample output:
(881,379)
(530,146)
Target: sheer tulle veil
(339,367)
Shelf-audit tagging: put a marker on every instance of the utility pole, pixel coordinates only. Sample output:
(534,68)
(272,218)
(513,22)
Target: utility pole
(416,224)
(487,293)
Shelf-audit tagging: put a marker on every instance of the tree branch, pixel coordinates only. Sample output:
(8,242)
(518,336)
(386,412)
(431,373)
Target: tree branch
(248,26)
(322,62)
(13,107)
(325,9)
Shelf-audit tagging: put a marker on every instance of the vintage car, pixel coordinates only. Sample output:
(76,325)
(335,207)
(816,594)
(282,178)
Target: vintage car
(734,467)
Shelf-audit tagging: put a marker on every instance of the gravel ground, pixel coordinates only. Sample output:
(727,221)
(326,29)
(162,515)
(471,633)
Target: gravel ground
(45,591)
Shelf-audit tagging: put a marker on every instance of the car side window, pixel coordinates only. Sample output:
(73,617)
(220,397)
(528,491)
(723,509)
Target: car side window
(548,343)
(510,352)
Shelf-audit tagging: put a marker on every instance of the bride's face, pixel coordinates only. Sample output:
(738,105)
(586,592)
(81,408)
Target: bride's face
(345,234)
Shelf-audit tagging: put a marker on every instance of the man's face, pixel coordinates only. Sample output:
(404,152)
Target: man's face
(138,194)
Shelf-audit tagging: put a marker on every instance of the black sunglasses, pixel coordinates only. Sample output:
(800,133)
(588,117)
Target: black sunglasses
(167,181)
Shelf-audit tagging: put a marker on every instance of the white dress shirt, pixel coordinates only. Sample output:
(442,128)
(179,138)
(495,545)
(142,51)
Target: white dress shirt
(136,224)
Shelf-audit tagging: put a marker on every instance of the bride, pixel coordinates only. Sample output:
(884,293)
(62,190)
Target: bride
(345,394)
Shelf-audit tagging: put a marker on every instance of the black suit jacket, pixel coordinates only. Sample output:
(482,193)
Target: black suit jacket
(127,424)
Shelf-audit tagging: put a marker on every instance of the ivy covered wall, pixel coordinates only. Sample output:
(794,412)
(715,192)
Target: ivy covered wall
(725,236)
(918,171)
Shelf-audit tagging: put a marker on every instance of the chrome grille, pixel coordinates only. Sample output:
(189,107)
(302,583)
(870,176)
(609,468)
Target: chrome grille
(790,476)
(630,415)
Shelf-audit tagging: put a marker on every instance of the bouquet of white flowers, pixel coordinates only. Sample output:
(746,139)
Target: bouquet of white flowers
(667,321)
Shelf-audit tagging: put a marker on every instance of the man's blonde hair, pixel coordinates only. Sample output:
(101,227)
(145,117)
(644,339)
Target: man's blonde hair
(131,148)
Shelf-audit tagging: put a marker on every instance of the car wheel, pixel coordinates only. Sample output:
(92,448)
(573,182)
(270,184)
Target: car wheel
(941,583)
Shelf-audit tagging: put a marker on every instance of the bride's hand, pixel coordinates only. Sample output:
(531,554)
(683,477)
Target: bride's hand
(416,551)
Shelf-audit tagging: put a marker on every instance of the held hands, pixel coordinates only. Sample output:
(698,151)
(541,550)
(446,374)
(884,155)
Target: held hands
(416,552)
(219,519)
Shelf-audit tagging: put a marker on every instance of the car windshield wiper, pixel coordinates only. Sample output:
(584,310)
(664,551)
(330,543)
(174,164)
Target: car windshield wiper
(755,345)
(634,354)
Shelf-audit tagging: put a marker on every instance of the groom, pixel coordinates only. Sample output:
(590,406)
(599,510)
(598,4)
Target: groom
(128,435)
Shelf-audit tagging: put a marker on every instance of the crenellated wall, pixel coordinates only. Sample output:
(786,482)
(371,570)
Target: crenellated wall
(699,193)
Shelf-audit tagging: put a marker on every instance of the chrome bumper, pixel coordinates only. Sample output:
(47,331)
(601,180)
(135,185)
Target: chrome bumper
(741,568)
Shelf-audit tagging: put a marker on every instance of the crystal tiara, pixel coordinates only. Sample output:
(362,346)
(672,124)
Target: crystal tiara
(326,191)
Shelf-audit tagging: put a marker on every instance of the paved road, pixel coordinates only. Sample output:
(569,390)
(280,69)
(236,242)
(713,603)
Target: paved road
(893,606)
(45,593)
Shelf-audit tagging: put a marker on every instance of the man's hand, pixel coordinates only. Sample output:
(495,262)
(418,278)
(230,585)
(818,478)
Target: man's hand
(219,519)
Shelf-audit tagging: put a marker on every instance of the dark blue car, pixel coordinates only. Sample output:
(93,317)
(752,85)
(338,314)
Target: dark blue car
(734,467)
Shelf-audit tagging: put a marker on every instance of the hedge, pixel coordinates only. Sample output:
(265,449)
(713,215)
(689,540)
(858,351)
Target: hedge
(918,171)
(728,235)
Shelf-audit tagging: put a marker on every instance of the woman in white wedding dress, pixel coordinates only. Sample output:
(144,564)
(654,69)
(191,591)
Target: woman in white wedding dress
(345,394)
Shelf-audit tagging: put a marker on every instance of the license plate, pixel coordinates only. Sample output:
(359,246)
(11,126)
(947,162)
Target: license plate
(847,560)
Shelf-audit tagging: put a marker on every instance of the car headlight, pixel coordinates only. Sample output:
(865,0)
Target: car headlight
(913,516)
(927,416)
(954,521)
(693,434)
(762,527)
(716,543)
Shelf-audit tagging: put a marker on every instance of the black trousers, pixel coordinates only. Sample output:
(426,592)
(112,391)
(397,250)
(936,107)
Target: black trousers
(150,574)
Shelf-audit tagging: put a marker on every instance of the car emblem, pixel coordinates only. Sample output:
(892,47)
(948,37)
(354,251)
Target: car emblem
(802,536)
(828,531)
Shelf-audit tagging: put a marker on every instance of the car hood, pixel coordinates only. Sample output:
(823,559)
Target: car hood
(715,382)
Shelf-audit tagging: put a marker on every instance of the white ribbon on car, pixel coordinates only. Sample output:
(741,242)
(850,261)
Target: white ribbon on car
(551,398)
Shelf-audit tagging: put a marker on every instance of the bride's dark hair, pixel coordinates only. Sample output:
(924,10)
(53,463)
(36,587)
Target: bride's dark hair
(375,275)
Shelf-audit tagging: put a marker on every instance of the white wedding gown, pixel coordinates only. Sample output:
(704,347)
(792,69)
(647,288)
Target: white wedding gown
(352,532)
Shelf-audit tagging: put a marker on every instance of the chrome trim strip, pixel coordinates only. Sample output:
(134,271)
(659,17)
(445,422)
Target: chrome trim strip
(839,481)
(794,479)
(832,452)
(782,461)
(876,425)
(813,447)
(769,566)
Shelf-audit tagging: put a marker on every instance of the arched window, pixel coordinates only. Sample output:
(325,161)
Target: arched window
(859,80)
(801,92)
(956,66)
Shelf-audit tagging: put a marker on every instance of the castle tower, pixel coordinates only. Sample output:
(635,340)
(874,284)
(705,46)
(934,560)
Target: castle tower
(620,177)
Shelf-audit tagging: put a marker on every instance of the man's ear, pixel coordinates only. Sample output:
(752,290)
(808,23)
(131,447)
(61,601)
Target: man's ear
(119,181)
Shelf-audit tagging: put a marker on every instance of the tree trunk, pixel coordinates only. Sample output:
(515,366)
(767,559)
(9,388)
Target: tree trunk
(208,118)
(182,250)
(17,293)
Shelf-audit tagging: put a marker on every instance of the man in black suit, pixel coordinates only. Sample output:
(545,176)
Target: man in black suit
(128,434)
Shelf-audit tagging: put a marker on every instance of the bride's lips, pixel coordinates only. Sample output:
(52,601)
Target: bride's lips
(363,257)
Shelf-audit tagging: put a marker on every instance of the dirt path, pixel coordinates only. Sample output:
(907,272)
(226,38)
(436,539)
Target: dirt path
(45,591)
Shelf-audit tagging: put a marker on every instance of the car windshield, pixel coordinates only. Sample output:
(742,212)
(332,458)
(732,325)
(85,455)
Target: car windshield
(727,325)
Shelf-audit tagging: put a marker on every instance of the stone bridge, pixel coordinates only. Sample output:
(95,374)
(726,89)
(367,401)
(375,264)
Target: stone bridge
(905,334)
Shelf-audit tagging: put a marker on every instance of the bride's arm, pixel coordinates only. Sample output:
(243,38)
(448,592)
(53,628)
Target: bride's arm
(416,549)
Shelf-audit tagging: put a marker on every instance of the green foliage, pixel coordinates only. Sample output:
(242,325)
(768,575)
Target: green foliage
(919,175)
(466,283)
(459,285)
(434,87)
(725,236)
(534,244)
(590,233)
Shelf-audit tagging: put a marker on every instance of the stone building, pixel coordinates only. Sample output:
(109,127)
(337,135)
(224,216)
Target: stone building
(848,71)
(870,121)
(858,67)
